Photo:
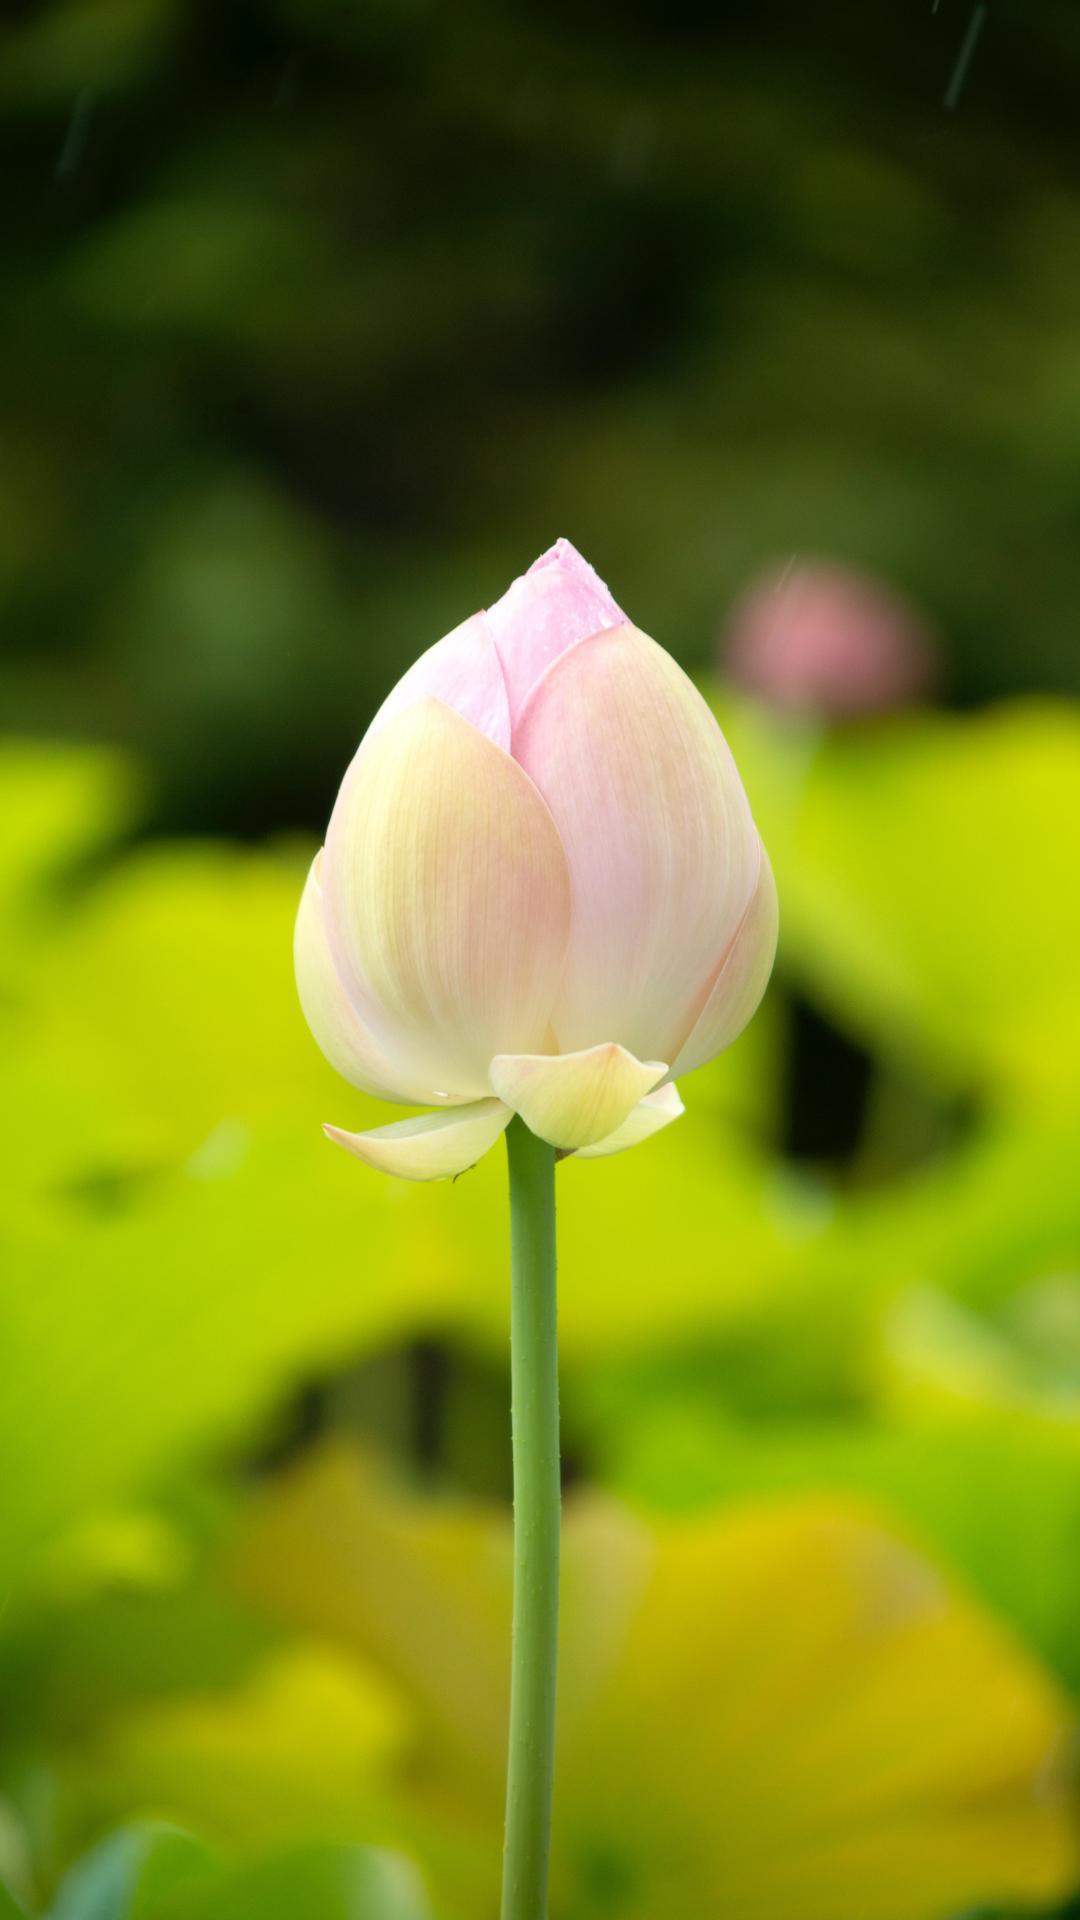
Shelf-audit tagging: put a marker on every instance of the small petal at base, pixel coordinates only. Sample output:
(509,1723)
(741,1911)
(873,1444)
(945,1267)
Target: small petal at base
(574,1099)
(650,1116)
(433,1146)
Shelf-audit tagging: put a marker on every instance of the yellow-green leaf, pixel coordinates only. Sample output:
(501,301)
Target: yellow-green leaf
(783,1713)
(926,867)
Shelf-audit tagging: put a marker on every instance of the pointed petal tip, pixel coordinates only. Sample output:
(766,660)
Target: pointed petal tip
(559,601)
(432,1146)
(576,571)
(563,553)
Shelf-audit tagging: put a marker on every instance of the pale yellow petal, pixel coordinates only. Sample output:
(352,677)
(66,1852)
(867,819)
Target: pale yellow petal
(336,1026)
(651,1115)
(447,897)
(574,1099)
(433,1146)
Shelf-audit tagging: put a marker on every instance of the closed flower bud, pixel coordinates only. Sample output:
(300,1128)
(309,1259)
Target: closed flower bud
(542,890)
(828,640)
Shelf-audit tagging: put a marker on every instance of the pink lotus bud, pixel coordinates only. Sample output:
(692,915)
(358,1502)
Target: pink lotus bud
(542,891)
(829,640)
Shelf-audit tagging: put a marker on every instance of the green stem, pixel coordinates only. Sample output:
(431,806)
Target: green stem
(534,1371)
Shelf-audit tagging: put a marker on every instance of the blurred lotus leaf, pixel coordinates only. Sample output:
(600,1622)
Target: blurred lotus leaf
(60,803)
(942,1360)
(158,1873)
(325,1882)
(994,1215)
(16,1868)
(992,1222)
(999,1502)
(129,1874)
(879,1750)
(925,869)
(296,1751)
(132,1550)
(330,1883)
(154,1078)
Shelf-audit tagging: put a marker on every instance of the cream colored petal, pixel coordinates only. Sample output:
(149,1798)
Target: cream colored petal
(337,1027)
(651,1115)
(434,1146)
(658,834)
(741,981)
(574,1099)
(464,671)
(447,897)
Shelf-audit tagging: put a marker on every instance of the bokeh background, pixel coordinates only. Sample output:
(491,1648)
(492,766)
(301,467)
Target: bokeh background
(319,323)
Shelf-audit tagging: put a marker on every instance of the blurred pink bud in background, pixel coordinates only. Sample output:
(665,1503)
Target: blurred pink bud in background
(542,890)
(829,640)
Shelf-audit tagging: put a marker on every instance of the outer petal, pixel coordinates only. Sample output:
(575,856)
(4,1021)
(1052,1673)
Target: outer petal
(658,834)
(558,602)
(463,671)
(434,1146)
(656,1111)
(574,1099)
(447,898)
(741,980)
(334,1021)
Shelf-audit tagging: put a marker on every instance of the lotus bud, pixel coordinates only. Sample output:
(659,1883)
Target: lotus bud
(542,891)
(829,641)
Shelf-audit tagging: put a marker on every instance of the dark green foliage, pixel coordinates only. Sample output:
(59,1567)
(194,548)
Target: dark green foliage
(321,320)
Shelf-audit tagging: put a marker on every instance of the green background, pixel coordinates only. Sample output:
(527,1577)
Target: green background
(320,321)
